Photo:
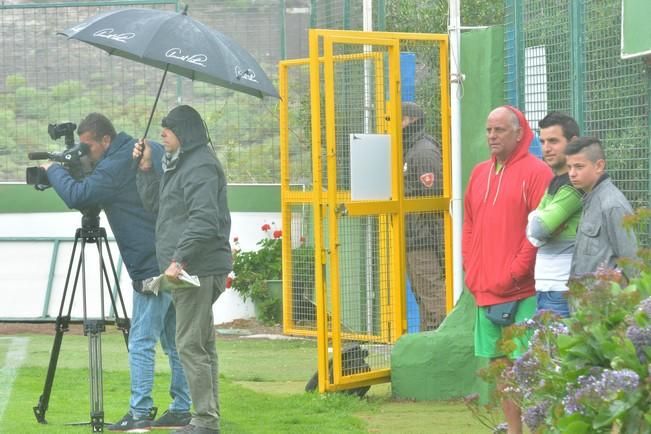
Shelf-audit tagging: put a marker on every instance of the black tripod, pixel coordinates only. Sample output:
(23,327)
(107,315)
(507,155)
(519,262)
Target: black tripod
(90,232)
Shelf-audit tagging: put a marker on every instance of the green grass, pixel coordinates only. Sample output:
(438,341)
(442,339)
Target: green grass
(261,391)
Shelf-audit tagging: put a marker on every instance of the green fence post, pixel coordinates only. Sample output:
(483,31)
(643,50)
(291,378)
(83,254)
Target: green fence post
(514,51)
(283,31)
(381,15)
(648,111)
(313,14)
(577,48)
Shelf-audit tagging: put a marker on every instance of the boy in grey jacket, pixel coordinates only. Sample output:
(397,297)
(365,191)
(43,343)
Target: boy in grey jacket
(601,240)
(192,230)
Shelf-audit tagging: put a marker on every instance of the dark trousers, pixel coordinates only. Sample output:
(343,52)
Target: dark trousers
(195,342)
(428,284)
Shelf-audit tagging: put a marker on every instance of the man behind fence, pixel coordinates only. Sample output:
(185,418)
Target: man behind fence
(423,177)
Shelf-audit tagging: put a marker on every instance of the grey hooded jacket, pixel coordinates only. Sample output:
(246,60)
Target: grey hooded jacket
(600,238)
(193,221)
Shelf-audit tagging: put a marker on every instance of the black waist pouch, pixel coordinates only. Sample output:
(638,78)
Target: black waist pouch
(502,314)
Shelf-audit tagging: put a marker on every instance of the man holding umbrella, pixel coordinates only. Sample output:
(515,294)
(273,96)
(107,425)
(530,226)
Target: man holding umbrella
(192,231)
(112,186)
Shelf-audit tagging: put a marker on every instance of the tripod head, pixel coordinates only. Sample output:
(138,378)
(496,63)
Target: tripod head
(90,218)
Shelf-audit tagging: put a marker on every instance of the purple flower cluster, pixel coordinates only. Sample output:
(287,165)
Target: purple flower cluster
(641,338)
(534,416)
(645,306)
(598,388)
(524,372)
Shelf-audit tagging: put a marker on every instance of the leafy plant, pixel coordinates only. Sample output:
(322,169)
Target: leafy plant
(252,270)
(588,373)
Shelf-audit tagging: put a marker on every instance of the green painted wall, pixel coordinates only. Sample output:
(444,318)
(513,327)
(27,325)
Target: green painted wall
(441,364)
(20,198)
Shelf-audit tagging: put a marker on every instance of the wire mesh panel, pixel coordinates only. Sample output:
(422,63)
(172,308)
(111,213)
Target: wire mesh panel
(616,101)
(45,78)
(300,307)
(345,14)
(573,49)
(538,57)
(363,205)
(423,178)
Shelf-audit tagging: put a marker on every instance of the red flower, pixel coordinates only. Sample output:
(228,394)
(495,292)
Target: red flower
(266,227)
(278,234)
(229,282)
(236,239)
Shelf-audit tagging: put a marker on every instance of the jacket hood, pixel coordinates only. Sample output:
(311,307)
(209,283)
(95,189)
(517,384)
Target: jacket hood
(188,126)
(522,148)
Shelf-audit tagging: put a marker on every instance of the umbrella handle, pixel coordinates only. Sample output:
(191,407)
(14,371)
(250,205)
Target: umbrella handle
(136,162)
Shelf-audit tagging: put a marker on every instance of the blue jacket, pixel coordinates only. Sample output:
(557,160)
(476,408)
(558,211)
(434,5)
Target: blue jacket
(112,187)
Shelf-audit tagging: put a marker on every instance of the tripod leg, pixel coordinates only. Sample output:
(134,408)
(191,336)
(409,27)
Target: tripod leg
(94,329)
(123,322)
(61,326)
(44,399)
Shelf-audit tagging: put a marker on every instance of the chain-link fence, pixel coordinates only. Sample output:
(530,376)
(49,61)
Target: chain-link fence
(565,56)
(45,78)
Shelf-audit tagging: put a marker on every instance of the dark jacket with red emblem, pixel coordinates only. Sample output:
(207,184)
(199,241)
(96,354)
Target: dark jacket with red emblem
(423,177)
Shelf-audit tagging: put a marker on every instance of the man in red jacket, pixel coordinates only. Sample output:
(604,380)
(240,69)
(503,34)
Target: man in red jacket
(498,260)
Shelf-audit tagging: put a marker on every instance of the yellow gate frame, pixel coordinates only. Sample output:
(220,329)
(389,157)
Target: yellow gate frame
(336,201)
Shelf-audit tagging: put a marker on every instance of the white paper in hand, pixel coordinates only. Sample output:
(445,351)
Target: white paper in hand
(154,285)
(192,280)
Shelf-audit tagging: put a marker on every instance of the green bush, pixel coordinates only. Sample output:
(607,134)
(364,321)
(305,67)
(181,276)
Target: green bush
(14,81)
(30,102)
(253,269)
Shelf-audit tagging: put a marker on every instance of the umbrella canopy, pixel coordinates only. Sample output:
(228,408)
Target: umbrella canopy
(174,41)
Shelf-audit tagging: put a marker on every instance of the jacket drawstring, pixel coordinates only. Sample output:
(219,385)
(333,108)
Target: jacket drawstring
(499,183)
(488,186)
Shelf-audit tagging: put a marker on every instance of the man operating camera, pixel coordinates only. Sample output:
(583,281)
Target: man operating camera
(111,186)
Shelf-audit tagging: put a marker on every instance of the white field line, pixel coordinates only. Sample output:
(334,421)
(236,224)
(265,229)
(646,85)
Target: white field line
(16,354)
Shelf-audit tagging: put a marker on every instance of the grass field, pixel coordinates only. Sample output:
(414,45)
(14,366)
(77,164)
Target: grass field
(261,391)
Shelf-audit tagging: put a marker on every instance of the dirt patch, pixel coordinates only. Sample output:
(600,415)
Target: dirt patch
(243,327)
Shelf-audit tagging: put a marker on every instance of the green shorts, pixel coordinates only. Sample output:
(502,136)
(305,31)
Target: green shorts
(488,335)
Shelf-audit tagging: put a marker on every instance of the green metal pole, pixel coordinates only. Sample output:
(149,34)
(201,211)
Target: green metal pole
(648,105)
(283,31)
(346,14)
(313,14)
(381,16)
(514,47)
(576,34)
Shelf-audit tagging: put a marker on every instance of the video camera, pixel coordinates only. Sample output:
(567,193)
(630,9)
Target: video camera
(70,158)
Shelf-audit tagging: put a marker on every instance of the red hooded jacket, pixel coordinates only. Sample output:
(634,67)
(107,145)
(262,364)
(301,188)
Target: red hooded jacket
(498,260)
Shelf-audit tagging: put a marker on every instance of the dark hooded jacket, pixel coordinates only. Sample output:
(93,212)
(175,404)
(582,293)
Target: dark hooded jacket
(423,177)
(194,223)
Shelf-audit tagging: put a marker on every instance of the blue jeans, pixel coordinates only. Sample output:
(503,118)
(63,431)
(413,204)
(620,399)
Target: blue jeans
(554,301)
(154,318)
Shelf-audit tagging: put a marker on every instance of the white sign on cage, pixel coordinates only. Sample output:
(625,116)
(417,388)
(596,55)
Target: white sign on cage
(370,166)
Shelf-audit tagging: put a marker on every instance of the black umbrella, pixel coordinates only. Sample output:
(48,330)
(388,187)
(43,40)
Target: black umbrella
(175,42)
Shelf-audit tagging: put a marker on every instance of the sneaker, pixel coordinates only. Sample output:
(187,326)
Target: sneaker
(129,423)
(172,419)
